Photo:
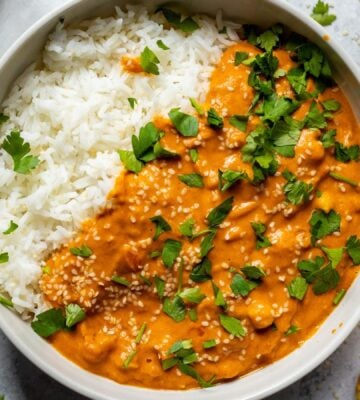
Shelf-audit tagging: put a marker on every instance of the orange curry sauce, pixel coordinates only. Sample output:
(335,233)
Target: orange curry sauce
(121,239)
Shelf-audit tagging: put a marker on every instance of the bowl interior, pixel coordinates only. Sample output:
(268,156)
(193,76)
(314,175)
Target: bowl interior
(257,384)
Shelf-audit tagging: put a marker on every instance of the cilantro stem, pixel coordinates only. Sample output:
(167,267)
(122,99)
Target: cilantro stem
(339,296)
(180,276)
(129,358)
(140,333)
(342,178)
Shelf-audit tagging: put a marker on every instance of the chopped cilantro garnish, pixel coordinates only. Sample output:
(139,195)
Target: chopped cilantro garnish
(207,243)
(129,358)
(160,286)
(334,255)
(275,107)
(241,286)
(145,279)
(209,344)
(187,228)
(342,178)
(6,302)
(229,178)
(268,40)
(149,61)
(193,314)
(143,145)
(199,109)
(214,119)
(219,296)
(261,240)
(296,191)
(130,162)
(201,271)
(315,118)
(175,308)
(141,332)
(285,135)
(132,101)
(3,118)
(154,254)
(185,124)
(192,180)
(217,215)
(239,122)
(120,280)
(192,295)
(162,45)
(187,24)
(310,268)
(297,288)
(49,322)
(83,251)
(4,258)
(19,151)
(12,227)
(328,138)
(160,226)
(331,105)
(73,315)
(188,370)
(232,325)
(194,155)
(323,224)
(253,272)
(326,279)
(353,249)
(346,154)
(160,152)
(292,329)
(339,296)
(320,14)
(240,56)
(297,79)
(170,252)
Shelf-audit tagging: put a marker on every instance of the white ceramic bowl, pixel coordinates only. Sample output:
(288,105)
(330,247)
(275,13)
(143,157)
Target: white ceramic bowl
(258,384)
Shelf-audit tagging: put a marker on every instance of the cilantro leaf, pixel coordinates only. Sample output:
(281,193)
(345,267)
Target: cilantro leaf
(261,240)
(275,107)
(209,344)
(170,252)
(12,227)
(199,109)
(217,215)
(240,56)
(4,258)
(120,280)
(326,279)
(253,272)
(162,45)
(192,180)
(239,122)
(219,296)
(18,149)
(241,286)
(297,288)
(6,303)
(194,155)
(297,79)
(296,191)
(228,178)
(353,249)
(331,105)
(202,271)
(323,224)
(328,138)
(73,315)
(346,154)
(232,325)
(188,370)
(130,162)
(339,296)
(175,308)
(320,14)
(310,268)
(185,124)
(192,295)
(187,25)
(292,329)
(82,251)
(144,143)
(160,226)
(187,228)
(334,255)
(132,102)
(149,61)
(285,135)
(160,286)
(315,118)
(344,179)
(160,152)
(49,322)
(207,243)
(267,40)
(214,119)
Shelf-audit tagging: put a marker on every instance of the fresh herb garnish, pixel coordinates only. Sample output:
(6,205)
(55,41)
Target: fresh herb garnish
(241,286)
(192,295)
(160,226)
(187,228)
(143,145)
(240,56)
(194,155)
(160,286)
(219,296)
(3,118)
(19,151)
(328,138)
(129,358)
(185,124)
(339,296)
(239,122)
(170,252)
(232,325)
(6,302)
(197,106)
(83,251)
(201,271)
(346,154)
(261,240)
(175,308)
(326,279)
(334,255)
(297,288)
(214,119)
(296,191)
(315,118)
(253,272)
(217,215)
(12,227)
(331,105)
(132,101)
(141,332)
(120,280)
(285,135)
(229,178)
(297,79)
(323,224)
(353,249)
(209,344)
(73,315)
(4,258)
(342,178)
(187,24)
(292,329)
(130,162)
(320,14)
(49,322)
(162,45)
(207,243)
(192,180)
(310,268)
(149,61)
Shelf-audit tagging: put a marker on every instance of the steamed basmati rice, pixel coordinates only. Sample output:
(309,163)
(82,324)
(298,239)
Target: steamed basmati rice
(75,114)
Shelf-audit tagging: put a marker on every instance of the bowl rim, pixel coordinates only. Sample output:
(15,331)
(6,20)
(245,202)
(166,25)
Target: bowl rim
(324,351)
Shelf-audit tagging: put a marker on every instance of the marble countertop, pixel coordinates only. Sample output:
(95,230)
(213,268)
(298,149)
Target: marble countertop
(335,379)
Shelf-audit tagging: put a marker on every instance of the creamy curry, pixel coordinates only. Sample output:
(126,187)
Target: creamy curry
(228,240)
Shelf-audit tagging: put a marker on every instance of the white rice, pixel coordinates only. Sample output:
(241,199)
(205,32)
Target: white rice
(75,114)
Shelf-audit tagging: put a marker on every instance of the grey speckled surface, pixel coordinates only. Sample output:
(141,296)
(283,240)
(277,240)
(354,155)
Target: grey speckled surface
(333,380)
